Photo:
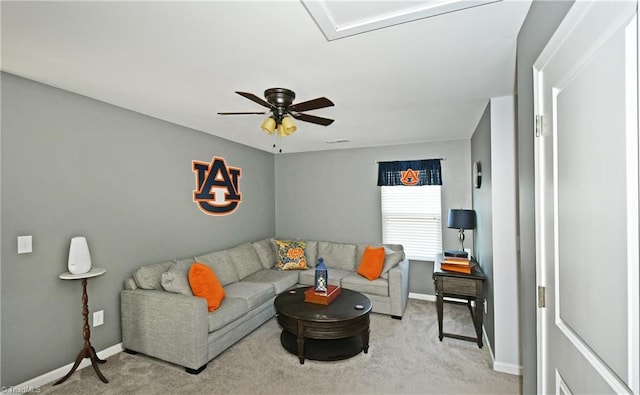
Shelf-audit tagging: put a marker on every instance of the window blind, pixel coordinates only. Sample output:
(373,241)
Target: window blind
(411,216)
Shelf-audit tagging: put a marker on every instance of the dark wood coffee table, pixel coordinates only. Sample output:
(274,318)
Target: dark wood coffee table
(324,333)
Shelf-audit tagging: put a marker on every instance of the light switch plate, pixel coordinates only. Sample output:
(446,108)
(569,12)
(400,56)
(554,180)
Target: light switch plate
(25,244)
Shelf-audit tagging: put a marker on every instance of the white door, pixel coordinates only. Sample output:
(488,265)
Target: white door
(586,99)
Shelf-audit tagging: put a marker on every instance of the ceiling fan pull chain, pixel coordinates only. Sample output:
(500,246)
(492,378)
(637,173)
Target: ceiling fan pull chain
(276,139)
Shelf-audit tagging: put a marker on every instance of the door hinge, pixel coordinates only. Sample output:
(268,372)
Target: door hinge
(541,297)
(538,125)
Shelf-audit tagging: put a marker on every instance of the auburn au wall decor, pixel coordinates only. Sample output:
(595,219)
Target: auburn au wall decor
(410,177)
(217,187)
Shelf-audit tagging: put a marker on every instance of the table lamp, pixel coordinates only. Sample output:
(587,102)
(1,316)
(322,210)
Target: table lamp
(461,219)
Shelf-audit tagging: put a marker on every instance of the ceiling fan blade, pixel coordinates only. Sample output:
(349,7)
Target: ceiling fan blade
(254,98)
(312,118)
(314,104)
(242,113)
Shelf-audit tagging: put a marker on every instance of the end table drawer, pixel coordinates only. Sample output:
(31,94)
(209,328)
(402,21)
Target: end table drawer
(460,286)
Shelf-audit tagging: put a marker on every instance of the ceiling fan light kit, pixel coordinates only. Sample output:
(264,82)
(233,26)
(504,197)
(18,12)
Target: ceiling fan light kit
(285,128)
(280,102)
(269,125)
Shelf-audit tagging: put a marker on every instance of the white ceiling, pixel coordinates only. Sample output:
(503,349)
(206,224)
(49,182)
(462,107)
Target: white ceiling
(425,78)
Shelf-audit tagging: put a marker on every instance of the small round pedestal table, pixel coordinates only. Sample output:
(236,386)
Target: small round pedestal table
(87,351)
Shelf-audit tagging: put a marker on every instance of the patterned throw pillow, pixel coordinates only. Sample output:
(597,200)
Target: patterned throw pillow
(290,255)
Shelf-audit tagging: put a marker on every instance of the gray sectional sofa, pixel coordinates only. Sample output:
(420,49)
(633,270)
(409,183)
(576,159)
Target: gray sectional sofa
(162,318)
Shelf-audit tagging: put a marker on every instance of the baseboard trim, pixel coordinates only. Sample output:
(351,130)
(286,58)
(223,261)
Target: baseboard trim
(429,298)
(60,372)
(432,298)
(500,366)
(507,368)
(487,344)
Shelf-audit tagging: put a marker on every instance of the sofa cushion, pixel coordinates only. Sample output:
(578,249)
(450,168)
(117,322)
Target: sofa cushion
(280,279)
(338,255)
(221,264)
(308,277)
(371,263)
(230,309)
(391,259)
(205,284)
(311,252)
(176,279)
(290,254)
(149,276)
(360,247)
(130,283)
(396,248)
(264,249)
(356,282)
(245,259)
(254,294)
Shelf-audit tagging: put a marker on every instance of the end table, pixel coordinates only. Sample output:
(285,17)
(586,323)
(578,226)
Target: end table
(468,287)
(87,351)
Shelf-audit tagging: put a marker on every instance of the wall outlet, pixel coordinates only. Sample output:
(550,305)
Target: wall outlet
(98,318)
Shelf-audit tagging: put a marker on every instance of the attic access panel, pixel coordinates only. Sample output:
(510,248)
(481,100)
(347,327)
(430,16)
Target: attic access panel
(339,19)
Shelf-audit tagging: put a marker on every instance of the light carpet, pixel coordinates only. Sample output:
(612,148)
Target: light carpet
(405,357)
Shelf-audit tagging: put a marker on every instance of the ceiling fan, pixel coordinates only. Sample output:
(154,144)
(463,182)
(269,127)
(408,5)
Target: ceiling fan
(279,101)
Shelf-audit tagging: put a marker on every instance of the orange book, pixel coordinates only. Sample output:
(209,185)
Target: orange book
(456,261)
(457,268)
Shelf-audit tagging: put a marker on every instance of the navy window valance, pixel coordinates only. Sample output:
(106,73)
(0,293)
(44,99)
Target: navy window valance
(410,172)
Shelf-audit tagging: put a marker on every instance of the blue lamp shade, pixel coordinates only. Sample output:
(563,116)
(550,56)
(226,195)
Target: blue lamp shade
(322,276)
(462,219)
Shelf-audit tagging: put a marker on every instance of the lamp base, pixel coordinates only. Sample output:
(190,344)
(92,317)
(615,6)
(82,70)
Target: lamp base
(456,253)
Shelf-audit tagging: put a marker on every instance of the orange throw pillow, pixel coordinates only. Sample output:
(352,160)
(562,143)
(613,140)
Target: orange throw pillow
(371,263)
(205,284)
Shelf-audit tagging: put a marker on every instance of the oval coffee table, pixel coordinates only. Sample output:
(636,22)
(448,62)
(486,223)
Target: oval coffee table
(324,333)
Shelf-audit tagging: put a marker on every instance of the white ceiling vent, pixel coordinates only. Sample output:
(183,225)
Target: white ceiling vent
(339,19)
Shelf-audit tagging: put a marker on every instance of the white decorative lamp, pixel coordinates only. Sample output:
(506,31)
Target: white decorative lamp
(79,256)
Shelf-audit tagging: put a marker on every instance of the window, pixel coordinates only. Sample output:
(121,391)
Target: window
(411,216)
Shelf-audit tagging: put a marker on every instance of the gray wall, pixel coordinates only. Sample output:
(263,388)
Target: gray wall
(332,195)
(482,204)
(75,166)
(541,22)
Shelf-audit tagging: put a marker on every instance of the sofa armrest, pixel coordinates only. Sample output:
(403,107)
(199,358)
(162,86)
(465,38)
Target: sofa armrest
(165,325)
(399,288)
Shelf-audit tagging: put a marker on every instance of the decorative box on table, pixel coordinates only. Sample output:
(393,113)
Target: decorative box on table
(312,296)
